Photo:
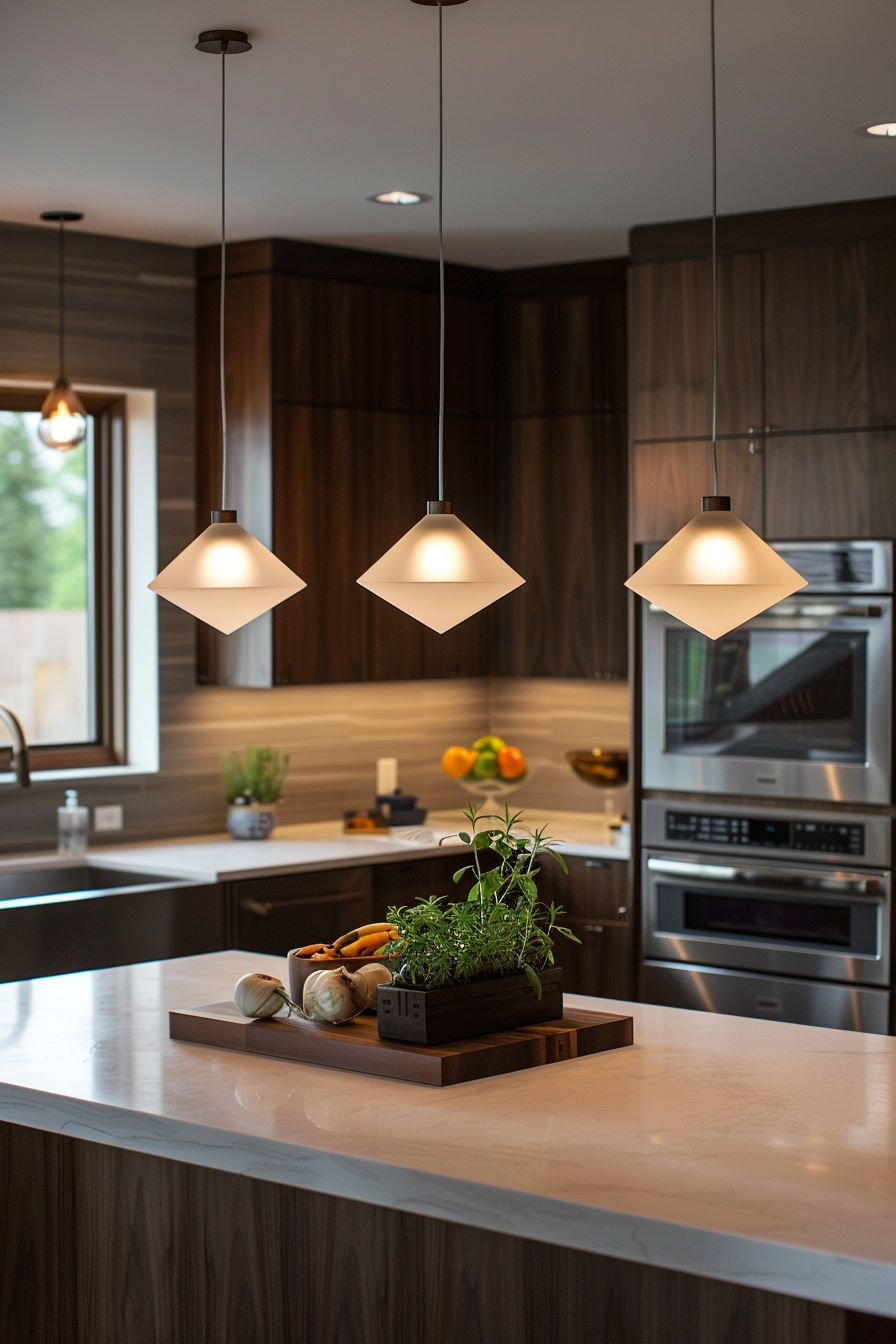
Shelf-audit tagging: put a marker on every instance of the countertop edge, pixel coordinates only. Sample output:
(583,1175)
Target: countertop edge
(816,1275)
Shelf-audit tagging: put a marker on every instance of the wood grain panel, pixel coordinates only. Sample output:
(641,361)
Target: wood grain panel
(669,480)
(670,347)
(880,273)
(366,346)
(816,337)
(564,353)
(831,485)
(566,508)
(166,1253)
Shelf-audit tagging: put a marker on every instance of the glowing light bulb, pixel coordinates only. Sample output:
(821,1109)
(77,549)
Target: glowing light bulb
(63,423)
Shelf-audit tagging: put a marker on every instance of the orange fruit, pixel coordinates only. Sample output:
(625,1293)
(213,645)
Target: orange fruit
(511,763)
(458,761)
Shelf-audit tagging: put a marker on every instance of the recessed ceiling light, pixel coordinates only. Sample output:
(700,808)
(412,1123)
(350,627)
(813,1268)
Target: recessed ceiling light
(399,198)
(881,128)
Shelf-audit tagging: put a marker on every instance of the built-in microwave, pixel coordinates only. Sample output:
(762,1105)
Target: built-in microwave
(795,703)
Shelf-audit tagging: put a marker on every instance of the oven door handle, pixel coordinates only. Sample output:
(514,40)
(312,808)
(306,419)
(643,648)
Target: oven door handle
(821,610)
(715,872)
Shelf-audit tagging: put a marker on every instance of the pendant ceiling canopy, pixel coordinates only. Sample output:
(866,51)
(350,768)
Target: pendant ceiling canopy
(226,577)
(440,572)
(63,419)
(716,572)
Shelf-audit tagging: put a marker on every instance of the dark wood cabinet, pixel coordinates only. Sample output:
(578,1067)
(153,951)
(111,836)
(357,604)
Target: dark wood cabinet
(669,480)
(275,914)
(670,353)
(566,505)
(828,336)
(596,897)
(831,485)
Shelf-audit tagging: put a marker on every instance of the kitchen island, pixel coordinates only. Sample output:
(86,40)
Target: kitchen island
(721,1171)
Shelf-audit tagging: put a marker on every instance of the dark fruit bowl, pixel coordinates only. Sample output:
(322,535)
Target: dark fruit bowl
(603,769)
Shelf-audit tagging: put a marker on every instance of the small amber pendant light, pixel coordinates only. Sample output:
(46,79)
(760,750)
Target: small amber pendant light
(226,577)
(63,419)
(440,572)
(716,572)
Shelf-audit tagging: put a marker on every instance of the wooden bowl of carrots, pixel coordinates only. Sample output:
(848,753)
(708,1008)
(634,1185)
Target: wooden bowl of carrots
(357,948)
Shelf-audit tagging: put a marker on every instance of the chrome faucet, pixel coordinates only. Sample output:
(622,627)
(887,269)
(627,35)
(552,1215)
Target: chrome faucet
(19,747)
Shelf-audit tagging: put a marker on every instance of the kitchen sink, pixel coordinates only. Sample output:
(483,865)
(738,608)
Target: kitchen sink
(81,880)
(78,917)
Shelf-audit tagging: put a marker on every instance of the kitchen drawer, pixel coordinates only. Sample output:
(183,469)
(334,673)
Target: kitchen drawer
(275,914)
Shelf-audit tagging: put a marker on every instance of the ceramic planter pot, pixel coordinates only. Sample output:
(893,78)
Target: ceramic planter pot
(251,821)
(437,1016)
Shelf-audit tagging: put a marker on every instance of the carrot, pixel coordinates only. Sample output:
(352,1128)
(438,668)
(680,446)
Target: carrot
(312,947)
(371,942)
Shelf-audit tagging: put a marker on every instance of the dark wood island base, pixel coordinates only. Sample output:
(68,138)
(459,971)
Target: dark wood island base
(105,1246)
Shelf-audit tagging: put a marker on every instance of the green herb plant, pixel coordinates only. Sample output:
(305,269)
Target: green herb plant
(255,775)
(501,928)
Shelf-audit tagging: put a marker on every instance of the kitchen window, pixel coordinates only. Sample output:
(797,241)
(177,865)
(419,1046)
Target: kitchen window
(63,569)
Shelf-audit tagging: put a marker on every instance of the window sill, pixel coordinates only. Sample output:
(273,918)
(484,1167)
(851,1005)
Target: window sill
(84,772)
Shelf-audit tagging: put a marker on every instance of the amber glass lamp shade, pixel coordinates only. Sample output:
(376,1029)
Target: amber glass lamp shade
(715,574)
(226,577)
(63,419)
(440,573)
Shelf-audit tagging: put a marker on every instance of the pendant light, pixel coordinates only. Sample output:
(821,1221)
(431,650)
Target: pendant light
(226,577)
(440,572)
(716,572)
(63,419)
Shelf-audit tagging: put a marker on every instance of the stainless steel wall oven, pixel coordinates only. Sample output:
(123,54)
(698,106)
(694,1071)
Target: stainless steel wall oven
(768,914)
(795,703)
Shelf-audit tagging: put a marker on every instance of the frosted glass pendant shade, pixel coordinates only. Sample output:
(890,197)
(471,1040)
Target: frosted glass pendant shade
(63,419)
(715,574)
(440,573)
(226,577)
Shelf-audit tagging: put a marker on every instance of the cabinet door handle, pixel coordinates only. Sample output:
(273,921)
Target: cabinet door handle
(265,908)
(596,863)
(593,928)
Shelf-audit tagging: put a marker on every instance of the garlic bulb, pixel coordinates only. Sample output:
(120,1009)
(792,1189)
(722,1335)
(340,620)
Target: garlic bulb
(334,996)
(260,995)
(375,973)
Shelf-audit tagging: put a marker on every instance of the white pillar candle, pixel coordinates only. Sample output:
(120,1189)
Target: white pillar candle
(386,775)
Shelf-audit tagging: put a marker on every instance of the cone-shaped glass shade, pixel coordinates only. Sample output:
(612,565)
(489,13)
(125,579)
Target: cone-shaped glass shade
(715,574)
(226,578)
(440,573)
(63,419)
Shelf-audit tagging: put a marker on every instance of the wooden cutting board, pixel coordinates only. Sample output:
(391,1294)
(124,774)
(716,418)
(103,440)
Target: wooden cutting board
(356,1045)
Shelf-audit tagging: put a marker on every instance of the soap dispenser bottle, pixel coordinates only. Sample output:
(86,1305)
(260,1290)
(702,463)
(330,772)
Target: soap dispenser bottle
(73,823)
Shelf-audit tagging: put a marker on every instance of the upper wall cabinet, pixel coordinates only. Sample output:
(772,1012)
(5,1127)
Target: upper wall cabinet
(669,479)
(332,382)
(830,314)
(670,351)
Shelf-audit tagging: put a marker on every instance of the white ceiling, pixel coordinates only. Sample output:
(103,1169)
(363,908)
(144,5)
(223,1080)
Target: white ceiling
(567,121)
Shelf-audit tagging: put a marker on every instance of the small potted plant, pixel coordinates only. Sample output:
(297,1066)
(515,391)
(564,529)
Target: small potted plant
(253,785)
(465,968)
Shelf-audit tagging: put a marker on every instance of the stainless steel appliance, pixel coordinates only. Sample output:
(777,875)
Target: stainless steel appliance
(795,703)
(766,913)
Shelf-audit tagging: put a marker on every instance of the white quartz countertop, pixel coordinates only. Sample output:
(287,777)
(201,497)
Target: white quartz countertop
(321,845)
(754,1152)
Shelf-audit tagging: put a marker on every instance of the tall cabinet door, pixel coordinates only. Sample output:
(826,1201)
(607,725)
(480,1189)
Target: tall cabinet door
(670,350)
(669,480)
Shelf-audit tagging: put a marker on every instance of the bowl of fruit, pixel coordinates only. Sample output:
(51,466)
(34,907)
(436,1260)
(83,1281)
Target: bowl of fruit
(489,769)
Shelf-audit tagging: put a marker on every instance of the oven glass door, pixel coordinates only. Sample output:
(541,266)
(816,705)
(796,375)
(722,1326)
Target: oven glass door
(782,693)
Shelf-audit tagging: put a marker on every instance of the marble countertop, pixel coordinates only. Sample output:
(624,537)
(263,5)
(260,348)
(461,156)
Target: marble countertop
(754,1152)
(321,845)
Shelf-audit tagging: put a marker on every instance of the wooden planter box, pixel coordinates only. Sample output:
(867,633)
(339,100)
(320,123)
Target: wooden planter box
(437,1016)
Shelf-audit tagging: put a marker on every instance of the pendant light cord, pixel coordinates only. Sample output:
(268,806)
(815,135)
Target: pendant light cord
(62,298)
(441,277)
(715,260)
(223,281)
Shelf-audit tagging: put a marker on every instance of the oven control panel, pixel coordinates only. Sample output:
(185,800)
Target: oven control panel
(769,832)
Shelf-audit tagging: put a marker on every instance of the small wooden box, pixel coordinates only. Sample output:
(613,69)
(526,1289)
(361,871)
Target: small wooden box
(436,1016)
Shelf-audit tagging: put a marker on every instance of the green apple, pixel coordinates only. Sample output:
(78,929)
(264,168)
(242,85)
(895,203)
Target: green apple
(486,766)
(492,744)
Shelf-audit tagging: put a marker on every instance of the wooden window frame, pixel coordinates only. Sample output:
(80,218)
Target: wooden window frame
(109,551)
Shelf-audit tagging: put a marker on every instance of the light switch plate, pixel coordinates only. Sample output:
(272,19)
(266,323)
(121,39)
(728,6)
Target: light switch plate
(109,818)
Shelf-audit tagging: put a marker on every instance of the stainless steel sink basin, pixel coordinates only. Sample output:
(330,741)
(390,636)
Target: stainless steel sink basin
(79,881)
